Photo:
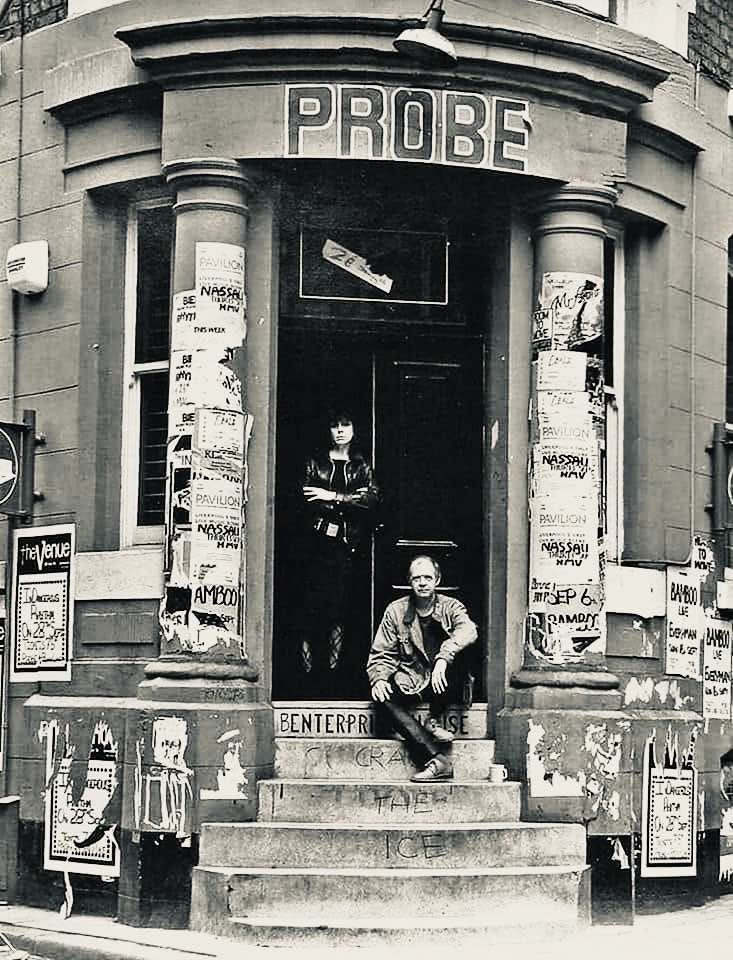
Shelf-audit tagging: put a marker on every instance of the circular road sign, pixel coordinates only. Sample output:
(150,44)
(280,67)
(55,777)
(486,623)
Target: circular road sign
(9,467)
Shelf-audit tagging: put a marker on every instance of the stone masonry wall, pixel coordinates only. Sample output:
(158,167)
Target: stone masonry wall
(33,14)
(710,38)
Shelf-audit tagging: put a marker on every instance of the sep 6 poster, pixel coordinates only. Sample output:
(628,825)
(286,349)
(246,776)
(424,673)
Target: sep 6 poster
(43,603)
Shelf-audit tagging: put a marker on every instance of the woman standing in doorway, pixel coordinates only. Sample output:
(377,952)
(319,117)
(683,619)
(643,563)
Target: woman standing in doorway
(340,495)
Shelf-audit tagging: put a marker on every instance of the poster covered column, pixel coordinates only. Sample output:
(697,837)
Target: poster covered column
(203,608)
(565,626)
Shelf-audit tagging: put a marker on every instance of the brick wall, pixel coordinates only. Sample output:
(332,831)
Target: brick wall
(710,38)
(32,13)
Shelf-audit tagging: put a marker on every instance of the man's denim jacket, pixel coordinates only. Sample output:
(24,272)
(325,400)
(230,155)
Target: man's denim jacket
(398,644)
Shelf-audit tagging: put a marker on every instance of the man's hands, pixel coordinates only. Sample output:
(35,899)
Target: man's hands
(438,680)
(381,691)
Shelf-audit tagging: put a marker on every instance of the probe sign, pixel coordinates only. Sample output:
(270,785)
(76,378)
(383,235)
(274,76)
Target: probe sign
(371,122)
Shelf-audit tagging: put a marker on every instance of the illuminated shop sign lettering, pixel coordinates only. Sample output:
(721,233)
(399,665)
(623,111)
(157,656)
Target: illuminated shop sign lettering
(368,122)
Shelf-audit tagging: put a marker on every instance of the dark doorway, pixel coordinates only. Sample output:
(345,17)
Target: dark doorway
(417,403)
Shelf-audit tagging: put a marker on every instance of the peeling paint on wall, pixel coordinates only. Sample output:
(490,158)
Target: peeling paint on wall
(546,761)
(231,778)
(166,782)
(644,690)
(604,749)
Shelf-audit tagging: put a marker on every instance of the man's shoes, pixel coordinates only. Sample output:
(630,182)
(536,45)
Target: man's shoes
(437,732)
(437,768)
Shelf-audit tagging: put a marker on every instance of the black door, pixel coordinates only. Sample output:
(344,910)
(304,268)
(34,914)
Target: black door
(417,406)
(428,432)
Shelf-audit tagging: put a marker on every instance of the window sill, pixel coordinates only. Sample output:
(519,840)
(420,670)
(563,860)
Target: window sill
(134,573)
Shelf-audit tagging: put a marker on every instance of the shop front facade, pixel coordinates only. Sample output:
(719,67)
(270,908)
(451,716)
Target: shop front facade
(512,272)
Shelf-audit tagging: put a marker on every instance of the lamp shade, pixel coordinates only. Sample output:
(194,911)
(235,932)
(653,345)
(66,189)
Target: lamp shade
(427,44)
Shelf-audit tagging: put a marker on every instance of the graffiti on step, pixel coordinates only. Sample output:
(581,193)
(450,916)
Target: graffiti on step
(421,846)
(369,757)
(422,803)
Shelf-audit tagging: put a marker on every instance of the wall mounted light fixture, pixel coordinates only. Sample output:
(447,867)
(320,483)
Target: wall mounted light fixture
(427,44)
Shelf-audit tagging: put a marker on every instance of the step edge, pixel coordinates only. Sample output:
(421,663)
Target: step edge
(466,826)
(353,781)
(448,922)
(521,870)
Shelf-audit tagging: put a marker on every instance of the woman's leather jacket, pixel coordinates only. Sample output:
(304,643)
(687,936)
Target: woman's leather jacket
(352,511)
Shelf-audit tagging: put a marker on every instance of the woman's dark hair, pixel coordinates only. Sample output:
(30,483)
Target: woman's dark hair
(339,415)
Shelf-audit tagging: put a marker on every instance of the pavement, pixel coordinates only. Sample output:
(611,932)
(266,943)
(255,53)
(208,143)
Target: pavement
(44,934)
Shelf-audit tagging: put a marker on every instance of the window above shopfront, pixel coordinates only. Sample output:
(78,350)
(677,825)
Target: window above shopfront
(145,413)
(665,21)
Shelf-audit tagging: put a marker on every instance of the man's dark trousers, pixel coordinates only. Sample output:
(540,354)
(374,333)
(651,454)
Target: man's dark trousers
(395,714)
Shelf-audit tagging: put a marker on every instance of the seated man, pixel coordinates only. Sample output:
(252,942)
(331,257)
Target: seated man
(412,662)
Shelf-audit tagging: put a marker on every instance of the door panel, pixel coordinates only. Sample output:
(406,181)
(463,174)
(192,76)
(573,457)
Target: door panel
(428,440)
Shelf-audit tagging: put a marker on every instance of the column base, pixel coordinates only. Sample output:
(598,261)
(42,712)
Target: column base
(186,668)
(564,689)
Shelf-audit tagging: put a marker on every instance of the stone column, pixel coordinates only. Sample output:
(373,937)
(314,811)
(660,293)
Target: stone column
(201,734)
(564,646)
(202,612)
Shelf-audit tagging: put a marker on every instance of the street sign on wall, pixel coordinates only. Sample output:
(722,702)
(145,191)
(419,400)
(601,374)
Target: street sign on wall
(17,446)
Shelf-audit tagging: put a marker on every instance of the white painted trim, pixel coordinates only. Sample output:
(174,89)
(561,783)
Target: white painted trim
(636,591)
(130,533)
(619,369)
(615,410)
(135,574)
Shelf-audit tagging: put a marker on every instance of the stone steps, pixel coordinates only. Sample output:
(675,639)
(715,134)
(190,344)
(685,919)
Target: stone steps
(343,758)
(387,802)
(451,894)
(339,931)
(457,845)
(346,851)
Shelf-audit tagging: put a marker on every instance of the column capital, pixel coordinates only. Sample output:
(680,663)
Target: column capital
(575,207)
(211,183)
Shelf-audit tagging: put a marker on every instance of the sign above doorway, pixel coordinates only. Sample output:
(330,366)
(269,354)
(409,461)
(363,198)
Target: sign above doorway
(373,122)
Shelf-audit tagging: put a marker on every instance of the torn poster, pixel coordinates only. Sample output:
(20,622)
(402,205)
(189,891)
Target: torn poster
(166,782)
(79,834)
(218,444)
(560,370)
(668,812)
(231,777)
(559,637)
(183,318)
(216,530)
(199,378)
(356,265)
(570,406)
(685,623)
(220,297)
(564,540)
(43,603)
(569,312)
(567,466)
(716,674)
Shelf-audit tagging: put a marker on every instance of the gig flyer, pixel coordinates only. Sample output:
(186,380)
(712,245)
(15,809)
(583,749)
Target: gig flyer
(564,534)
(220,298)
(570,310)
(43,603)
